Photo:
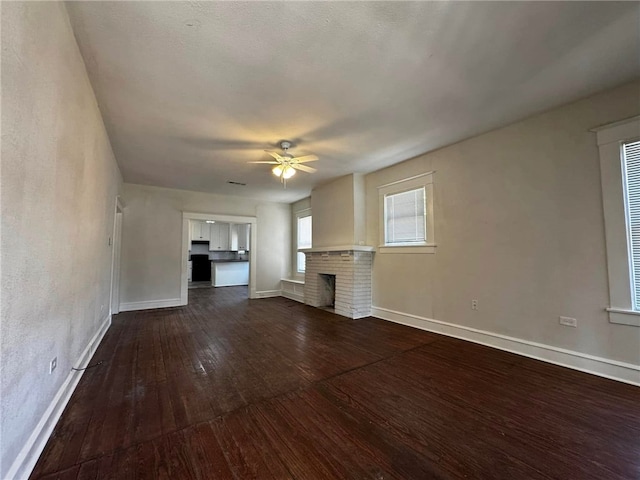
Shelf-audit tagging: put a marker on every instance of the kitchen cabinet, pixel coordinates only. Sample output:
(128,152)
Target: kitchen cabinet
(227,274)
(240,237)
(200,231)
(219,236)
(189,270)
(243,236)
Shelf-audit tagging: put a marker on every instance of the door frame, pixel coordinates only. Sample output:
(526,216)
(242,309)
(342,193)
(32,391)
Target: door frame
(116,239)
(184,258)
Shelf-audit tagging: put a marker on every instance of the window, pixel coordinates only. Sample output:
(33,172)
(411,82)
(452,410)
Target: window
(631,179)
(405,218)
(304,240)
(406,224)
(619,146)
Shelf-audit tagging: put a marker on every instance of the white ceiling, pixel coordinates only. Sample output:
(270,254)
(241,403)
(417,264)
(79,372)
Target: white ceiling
(192,91)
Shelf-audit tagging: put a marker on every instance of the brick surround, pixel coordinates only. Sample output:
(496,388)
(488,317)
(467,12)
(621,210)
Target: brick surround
(353,280)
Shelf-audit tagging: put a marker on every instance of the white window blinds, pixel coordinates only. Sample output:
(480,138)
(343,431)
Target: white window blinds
(631,161)
(405,217)
(304,240)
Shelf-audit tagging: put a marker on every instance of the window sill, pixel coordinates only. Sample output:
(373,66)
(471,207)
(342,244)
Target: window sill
(428,248)
(621,316)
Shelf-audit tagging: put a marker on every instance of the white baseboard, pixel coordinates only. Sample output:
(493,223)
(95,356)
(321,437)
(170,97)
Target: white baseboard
(603,367)
(26,460)
(298,297)
(267,294)
(149,304)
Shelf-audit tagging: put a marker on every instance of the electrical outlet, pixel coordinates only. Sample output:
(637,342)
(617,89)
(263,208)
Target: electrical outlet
(53,364)
(568,322)
(474,304)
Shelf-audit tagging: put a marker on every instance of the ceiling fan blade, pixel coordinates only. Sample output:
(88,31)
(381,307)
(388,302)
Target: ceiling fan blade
(304,168)
(274,155)
(270,162)
(305,158)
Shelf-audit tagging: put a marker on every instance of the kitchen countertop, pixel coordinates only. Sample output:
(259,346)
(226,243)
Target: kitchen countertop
(227,261)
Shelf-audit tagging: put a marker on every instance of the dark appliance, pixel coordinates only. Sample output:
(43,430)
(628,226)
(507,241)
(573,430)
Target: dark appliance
(200,268)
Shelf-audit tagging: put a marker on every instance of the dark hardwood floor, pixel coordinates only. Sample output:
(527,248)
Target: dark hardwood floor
(235,388)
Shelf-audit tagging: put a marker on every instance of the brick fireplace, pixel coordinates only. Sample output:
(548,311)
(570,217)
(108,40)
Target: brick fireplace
(345,269)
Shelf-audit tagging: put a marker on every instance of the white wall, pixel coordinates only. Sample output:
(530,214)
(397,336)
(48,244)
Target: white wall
(152,239)
(519,227)
(59,183)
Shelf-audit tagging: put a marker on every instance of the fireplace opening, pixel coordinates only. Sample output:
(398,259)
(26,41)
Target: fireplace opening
(327,291)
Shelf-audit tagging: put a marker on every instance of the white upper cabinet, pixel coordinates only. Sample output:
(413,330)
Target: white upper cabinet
(223,238)
(240,237)
(219,236)
(200,231)
(243,237)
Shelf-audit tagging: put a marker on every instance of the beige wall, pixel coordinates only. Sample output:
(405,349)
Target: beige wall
(59,183)
(359,209)
(338,212)
(519,227)
(152,239)
(332,207)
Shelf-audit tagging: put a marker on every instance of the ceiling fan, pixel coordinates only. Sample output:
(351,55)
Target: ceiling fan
(286,164)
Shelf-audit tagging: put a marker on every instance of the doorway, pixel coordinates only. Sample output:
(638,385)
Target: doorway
(223,244)
(114,300)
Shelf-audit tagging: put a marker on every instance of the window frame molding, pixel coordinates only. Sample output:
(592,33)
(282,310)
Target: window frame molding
(423,180)
(306,212)
(610,138)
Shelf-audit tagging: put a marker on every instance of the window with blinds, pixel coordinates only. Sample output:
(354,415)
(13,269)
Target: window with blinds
(631,173)
(405,218)
(304,241)
(619,152)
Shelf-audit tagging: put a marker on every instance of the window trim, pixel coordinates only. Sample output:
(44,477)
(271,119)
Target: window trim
(424,180)
(301,214)
(610,139)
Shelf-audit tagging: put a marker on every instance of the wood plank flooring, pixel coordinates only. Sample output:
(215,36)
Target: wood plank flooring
(230,388)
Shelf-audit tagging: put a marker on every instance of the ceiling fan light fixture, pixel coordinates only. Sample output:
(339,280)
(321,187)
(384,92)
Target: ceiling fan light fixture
(284,171)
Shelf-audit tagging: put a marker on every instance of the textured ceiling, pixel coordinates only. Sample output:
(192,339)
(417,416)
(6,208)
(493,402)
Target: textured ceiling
(192,91)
